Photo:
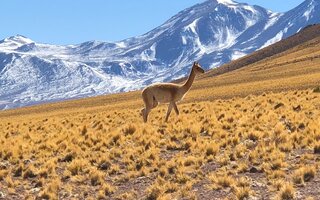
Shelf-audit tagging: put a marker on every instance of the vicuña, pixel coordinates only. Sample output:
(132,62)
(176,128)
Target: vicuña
(167,93)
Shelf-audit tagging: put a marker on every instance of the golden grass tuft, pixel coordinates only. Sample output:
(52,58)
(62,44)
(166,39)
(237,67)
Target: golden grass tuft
(77,167)
(96,177)
(242,193)
(30,172)
(277,184)
(129,130)
(47,195)
(107,189)
(3,174)
(316,148)
(154,192)
(220,181)
(309,198)
(287,192)
(212,149)
(9,182)
(316,90)
(304,174)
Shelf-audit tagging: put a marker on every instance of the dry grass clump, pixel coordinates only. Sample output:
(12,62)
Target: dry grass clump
(310,198)
(316,148)
(238,148)
(126,196)
(242,193)
(154,193)
(77,167)
(30,172)
(96,177)
(287,192)
(223,180)
(304,174)
(3,174)
(317,89)
(212,149)
(106,190)
(243,190)
(9,182)
(51,190)
(129,130)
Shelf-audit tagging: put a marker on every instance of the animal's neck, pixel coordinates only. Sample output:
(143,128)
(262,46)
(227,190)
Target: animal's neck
(187,85)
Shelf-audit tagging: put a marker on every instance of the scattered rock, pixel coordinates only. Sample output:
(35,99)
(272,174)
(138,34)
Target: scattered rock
(301,126)
(291,127)
(257,184)
(29,174)
(26,161)
(316,90)
(278,105)
(297,108)
(161,130)
(220,117)
(254,170)
(2,195)
(68,158)
(38,184)
(3,165)
(35,190)
(105,165)
(317,150)
(140,179)
(17,172)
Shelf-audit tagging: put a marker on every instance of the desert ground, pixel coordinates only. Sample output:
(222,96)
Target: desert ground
(258,147)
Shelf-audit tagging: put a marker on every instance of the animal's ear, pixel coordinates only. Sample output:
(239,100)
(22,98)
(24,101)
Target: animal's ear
(194,63)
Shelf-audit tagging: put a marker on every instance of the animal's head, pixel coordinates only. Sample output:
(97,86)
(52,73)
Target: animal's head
(197,68)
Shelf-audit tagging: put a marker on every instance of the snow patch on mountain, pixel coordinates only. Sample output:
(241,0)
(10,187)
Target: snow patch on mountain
(227,2)
(273,19)
(273,40)
(308,12)
(237,54)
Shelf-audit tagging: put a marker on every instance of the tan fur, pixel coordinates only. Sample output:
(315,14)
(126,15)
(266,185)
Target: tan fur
(167,93)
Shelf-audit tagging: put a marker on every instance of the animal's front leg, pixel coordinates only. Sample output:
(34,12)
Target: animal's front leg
(168,112)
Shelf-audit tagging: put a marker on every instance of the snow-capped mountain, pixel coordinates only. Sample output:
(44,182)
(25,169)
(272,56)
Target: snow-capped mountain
(213,32)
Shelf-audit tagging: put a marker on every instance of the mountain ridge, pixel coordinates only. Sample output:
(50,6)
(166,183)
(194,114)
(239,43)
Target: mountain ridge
(211,32)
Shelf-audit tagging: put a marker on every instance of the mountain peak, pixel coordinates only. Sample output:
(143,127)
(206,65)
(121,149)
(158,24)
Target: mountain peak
(221,2)
(14,42)
(19,39)
(227,2)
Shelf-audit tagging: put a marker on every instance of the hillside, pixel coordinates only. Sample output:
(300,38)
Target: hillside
(260,147)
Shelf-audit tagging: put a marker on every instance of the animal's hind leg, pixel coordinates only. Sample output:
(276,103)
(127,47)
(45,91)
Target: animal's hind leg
(155,103)
(145,114)
(175,108)
(148,101)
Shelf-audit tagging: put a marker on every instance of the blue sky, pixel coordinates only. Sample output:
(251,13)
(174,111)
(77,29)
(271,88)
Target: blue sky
(76,21)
